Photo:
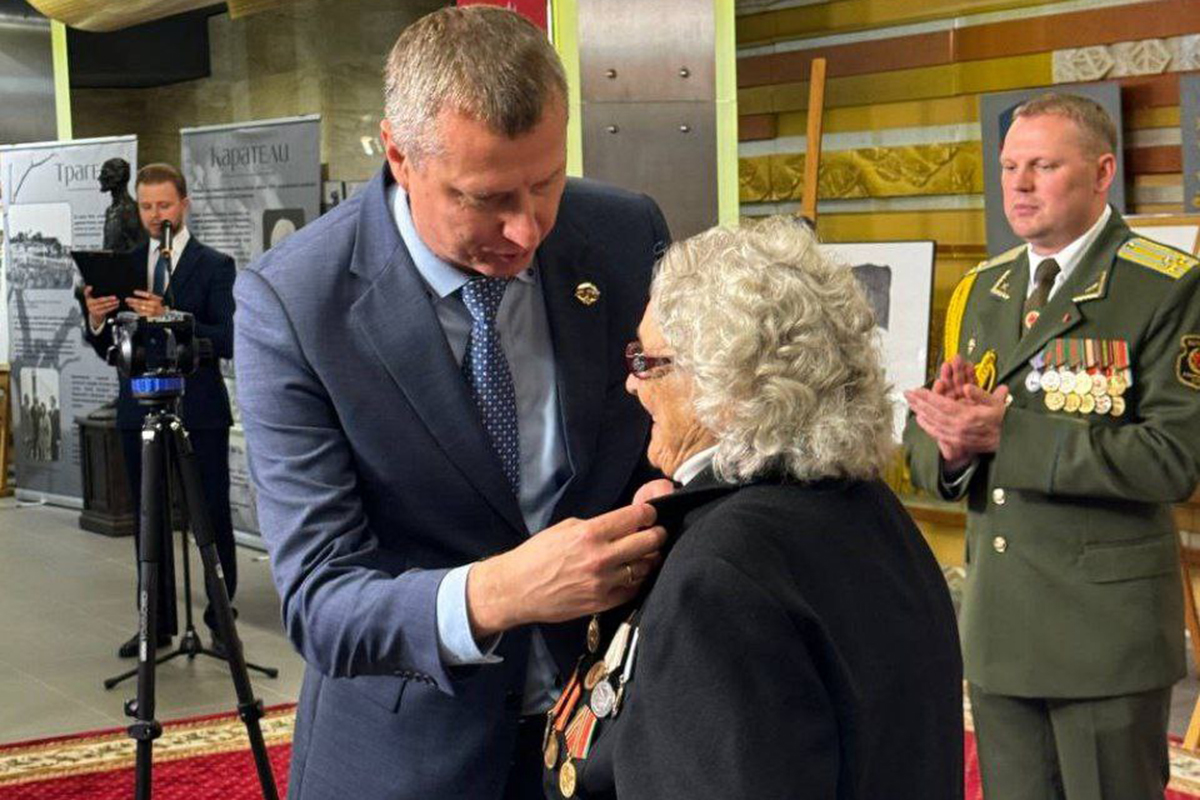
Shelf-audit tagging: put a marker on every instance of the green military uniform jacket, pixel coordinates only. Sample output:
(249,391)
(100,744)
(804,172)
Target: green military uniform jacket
(1073,578)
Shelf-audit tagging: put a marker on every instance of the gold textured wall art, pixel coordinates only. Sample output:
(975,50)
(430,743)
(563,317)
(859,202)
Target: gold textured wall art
(902,171)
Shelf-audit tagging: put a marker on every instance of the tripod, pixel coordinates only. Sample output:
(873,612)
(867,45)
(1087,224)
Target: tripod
(190,644)
(165,451)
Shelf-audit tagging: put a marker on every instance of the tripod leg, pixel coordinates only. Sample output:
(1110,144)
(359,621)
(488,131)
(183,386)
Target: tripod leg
(250,709)
(190,641)
(145,729)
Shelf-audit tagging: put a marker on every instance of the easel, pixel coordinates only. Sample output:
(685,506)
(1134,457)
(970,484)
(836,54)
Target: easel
(1192,738)
(5,427)
(812,155)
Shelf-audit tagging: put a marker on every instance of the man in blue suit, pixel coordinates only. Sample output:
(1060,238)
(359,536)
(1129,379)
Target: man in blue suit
(429,374)
(197,279)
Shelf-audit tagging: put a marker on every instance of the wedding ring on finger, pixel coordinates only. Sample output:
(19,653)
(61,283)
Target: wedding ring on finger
(629,577)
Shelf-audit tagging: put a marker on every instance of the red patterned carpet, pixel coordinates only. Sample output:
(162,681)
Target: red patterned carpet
(194,759)
(209,758)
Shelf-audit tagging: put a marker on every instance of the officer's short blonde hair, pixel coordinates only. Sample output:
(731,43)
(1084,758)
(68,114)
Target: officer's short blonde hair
(486,62)
(782,349)
(1099,131)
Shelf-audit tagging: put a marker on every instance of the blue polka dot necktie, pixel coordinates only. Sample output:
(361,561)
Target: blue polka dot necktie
(161,270)
(487,373)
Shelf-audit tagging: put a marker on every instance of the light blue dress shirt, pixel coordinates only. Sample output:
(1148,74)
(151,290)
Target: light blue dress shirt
(525,334)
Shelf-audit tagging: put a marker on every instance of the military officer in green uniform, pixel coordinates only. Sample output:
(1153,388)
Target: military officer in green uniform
(1067,413)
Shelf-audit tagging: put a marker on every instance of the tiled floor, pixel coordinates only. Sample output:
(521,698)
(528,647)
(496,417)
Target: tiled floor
(66,603)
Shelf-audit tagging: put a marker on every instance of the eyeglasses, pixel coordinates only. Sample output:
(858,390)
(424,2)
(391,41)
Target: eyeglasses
(642,366)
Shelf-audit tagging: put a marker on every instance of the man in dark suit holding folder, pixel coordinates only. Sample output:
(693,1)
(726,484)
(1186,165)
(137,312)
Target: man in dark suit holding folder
(196,279)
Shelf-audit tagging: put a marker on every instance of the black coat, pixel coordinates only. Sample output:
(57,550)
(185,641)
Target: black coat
(202,285)
(799,642)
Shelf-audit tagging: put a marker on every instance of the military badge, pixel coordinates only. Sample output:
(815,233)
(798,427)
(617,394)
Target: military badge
(587,293)
(1187,368)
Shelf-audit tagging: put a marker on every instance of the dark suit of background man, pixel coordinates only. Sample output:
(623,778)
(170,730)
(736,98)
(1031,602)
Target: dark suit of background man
(1072,617)
(198,280)
(397,490)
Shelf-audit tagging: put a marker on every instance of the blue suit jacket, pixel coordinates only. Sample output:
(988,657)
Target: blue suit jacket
(375,477)
(201,285)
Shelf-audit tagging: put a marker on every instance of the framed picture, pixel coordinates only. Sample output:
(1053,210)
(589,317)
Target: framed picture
(995,115)
(897,278)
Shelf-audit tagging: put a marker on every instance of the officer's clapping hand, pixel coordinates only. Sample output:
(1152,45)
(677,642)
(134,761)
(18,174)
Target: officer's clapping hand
(962,428)
(572,569)
(953,378)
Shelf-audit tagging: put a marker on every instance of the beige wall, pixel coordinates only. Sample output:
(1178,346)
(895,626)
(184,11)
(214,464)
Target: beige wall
(312,57)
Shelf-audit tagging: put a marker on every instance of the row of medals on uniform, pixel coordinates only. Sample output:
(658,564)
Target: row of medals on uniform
(604,683)
(1082,376)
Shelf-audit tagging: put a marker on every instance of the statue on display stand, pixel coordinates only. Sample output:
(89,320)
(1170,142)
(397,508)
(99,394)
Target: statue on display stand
(122,229)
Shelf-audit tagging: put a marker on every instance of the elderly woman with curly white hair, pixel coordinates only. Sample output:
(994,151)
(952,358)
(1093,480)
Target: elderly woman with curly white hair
(799,641)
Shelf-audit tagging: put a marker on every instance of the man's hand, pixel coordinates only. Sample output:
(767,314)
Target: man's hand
(574,568)
(660,487)
(963,428)
(99,307)
(146,304)
(954,377)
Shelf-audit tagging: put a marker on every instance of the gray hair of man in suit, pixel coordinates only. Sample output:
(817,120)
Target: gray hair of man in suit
(781,345)
(488,63)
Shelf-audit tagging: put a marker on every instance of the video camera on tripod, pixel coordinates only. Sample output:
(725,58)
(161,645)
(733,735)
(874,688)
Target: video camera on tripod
(156,353)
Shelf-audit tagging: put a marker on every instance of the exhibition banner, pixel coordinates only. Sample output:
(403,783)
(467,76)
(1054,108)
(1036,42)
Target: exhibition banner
(52,204)
(251,185)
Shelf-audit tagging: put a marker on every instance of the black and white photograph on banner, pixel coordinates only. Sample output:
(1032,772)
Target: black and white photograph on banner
(280,223)
(897,278)
(40,421)
(39,247)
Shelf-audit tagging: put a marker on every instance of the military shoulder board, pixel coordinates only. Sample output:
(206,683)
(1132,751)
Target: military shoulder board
(1003,258)
(1158,257)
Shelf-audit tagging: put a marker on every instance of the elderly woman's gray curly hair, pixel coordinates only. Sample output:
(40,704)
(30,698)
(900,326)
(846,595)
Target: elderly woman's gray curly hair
(781,345)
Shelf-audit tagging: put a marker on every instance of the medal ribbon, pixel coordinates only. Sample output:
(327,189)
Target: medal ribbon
(579,734)
(566,701)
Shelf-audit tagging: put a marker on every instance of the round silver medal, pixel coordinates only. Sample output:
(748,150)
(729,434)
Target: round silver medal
(1050,381)
(1033,381)
(1066,381)
(604,697)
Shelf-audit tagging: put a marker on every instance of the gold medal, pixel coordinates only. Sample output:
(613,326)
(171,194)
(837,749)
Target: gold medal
(597,673)
(1087,403)
(593,634)
(1055,400)
(1071,404)
(550,754)
(1118,407)
(1116,386)
(566,779)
